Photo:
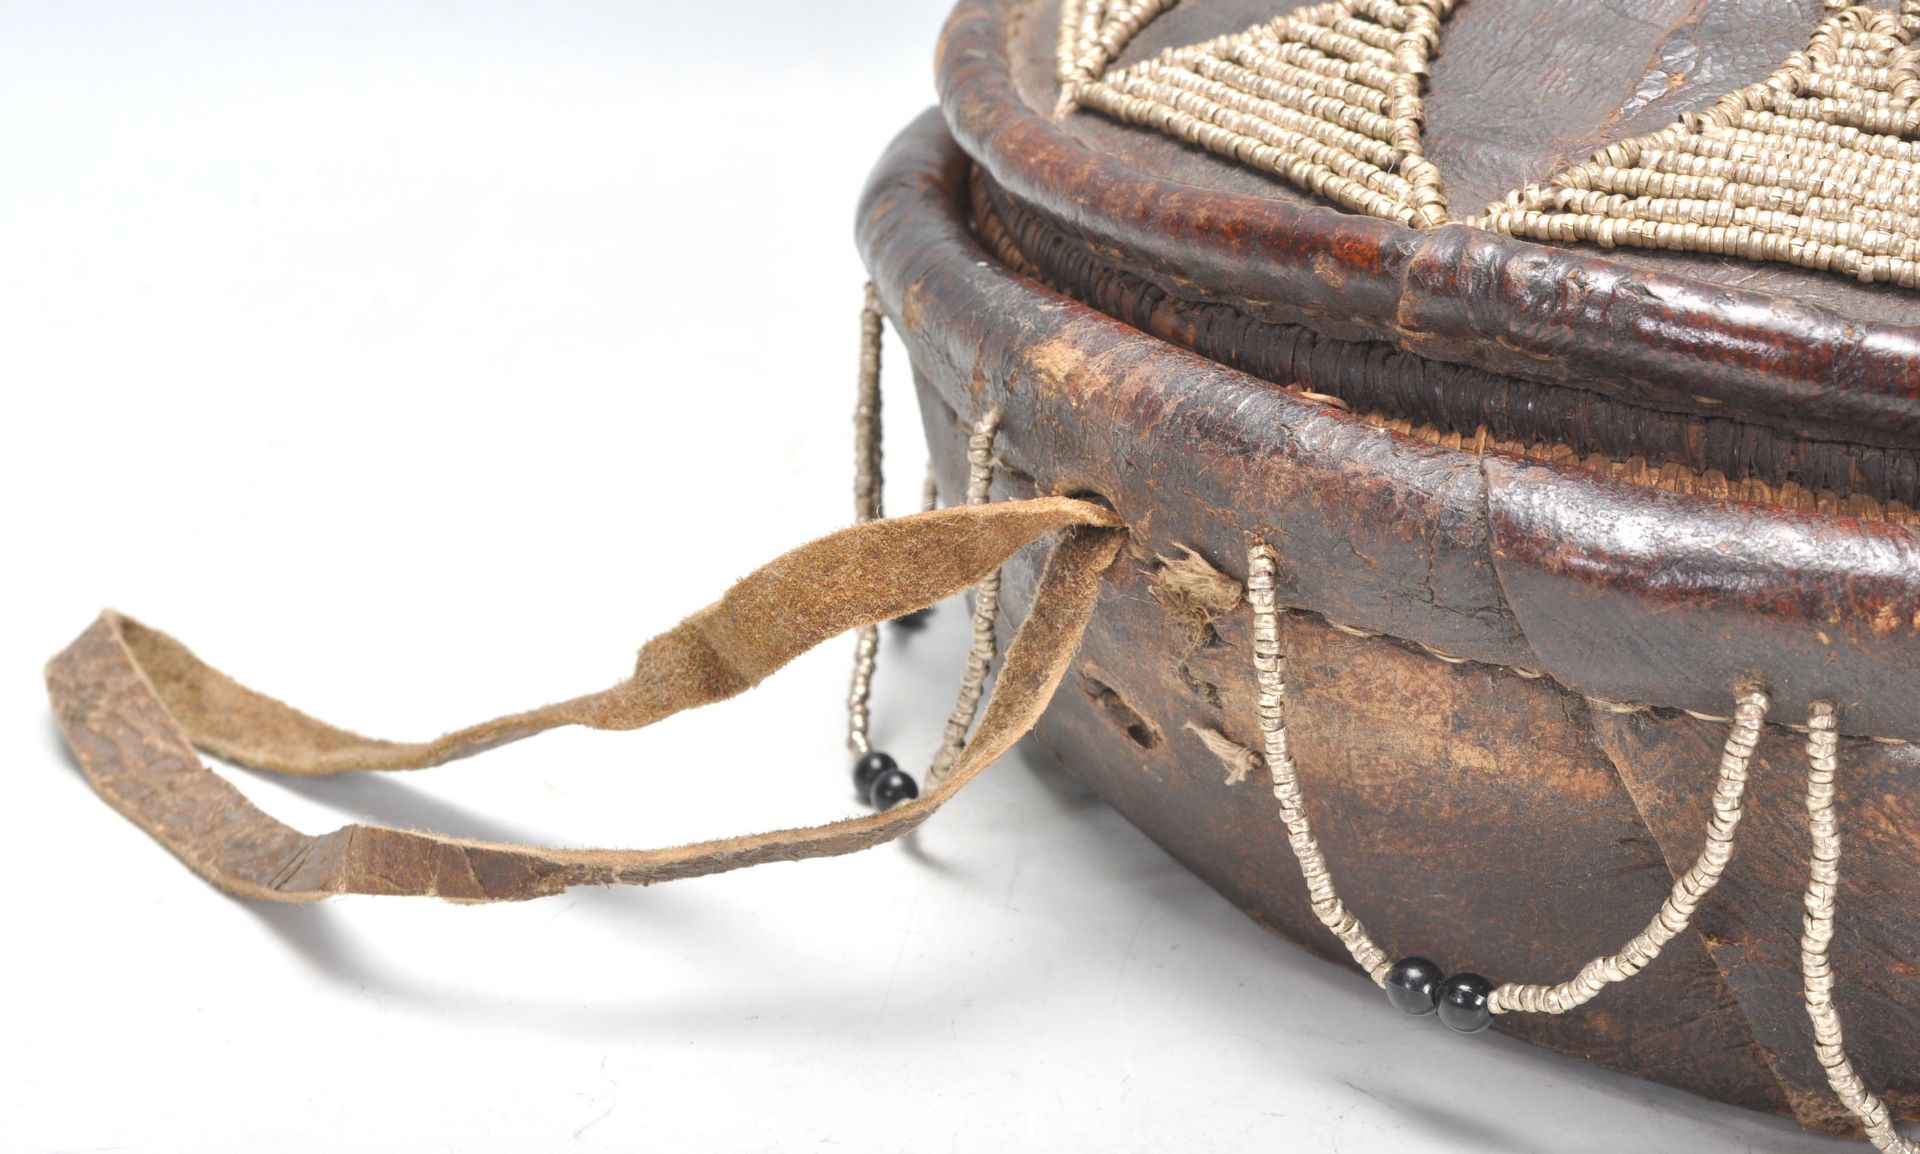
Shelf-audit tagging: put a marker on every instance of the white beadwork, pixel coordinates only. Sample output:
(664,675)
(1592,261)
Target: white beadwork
(1816,166)
(1270,671)
(866,507)
(1749,713)
(1816,968)
(986,608)
(1328,97)
(1672,919)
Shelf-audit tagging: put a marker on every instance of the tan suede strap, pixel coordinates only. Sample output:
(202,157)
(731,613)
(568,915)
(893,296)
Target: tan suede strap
(134,703)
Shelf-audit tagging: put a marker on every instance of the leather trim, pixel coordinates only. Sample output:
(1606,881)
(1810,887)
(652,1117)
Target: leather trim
(1555,316)
(1488,558)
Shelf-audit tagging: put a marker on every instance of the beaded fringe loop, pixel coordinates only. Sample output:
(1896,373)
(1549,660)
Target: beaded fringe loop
(1327,97)
(1270,671)
(866,507)
(986,608)
(1269,662)
(1675,914)
(1749,713)
(1269,665)
(867,485)
(1814,166)
(1816,968)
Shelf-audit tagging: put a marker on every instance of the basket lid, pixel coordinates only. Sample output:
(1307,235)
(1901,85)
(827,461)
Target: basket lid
(1416,177)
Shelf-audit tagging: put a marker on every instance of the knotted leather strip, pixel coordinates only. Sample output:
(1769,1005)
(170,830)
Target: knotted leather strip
(134,703)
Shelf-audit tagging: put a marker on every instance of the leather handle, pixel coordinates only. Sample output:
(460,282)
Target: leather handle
(134,703)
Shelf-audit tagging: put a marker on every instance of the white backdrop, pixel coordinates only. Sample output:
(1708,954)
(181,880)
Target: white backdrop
(416,362)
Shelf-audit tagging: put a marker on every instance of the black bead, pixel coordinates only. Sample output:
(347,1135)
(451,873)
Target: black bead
(1463,1003)
(1412,984)
(892,788)
(869,769)
(914,621)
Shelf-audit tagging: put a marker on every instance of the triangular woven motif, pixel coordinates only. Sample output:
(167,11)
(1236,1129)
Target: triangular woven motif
(1327,97)
(1817,165)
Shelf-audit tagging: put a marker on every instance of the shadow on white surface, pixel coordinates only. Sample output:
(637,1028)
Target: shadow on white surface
(381,799)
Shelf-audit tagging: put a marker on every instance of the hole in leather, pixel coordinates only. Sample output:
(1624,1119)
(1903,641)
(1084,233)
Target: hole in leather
(1138,729)
(1019,484)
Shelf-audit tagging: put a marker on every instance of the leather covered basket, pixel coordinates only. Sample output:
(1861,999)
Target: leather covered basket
(1540,503)
(1477,447)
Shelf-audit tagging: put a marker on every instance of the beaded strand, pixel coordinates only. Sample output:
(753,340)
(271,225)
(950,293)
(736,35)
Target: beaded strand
(986,607)
(1270,672)
(1468,1002)
(866,507)
(1816,968)
(1465,1002)
(1749,712)
(877,778)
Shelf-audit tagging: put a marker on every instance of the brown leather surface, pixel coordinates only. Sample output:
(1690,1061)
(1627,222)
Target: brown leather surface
(1752,924)
(1407,538)
(1472,812)
(1631,594)
(134,703)
(1517,86)
(1204,453)
(1383,379)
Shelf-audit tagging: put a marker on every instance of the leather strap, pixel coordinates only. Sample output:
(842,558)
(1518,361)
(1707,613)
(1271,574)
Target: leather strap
(134,703)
